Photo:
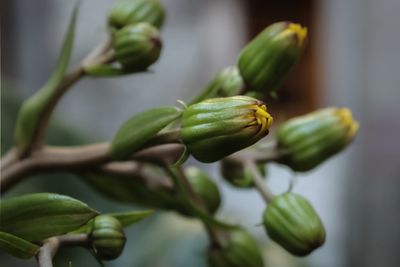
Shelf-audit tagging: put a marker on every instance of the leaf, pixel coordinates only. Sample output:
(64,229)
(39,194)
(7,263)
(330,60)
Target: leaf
(28,121)
(140,128)
(131,217)
(125,218)
(35,217)
(17,247)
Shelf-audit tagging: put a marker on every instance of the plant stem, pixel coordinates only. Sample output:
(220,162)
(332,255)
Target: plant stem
(50,247)
(264,191)
(71,159)
(96,56)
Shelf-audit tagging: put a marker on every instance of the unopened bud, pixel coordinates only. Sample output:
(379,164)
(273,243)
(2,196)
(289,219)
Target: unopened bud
(309,140)
(239,250)
(215,128)
(227,82)
(205,187)
(126,12)
(265,62)
(108,238)
(238,175)
(137,46)
(292,222)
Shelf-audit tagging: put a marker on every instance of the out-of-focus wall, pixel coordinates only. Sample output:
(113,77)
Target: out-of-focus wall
(361,60)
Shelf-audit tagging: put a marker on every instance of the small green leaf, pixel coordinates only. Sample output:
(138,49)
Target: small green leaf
(17,247)
(28,121)
(35,217)
(139,129)
(125,218)
(131,217)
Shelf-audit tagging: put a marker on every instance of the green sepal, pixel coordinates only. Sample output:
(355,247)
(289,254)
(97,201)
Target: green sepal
(17,247)
(28,120)
(227,82)
(104,70)
(183,158)
(125,218)
(139,129)
(35,217)
(128,218)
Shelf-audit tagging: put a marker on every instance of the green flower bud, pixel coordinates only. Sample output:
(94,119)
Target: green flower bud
(309,140)
(239,176)
(108,238)
(215,128)
(126,12)
(204,187)
(137,46)
(239,250)
(265,62)
(227,82)
(292,222)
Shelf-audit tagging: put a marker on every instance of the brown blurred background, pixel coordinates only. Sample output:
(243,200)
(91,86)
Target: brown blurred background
(352,60)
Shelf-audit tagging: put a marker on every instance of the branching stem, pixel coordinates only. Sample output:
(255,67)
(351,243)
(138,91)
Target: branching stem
(50,247)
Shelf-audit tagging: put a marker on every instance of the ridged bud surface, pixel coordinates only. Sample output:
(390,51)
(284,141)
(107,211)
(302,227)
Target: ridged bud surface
(239,250)
(215,128)
(108,238)
(292,222)
(137,46)
(309,140)
(126,12)
(265,62)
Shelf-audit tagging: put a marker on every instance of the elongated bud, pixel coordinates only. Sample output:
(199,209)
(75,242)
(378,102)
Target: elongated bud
(227,82)
(126,12)
(265,62)
(292,222)
(108,238)
(204,187)
(239,250)
(309,140)
(238,175)
(215,128)
(137,46)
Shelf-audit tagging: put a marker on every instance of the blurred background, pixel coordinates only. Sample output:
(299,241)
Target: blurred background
(352,60)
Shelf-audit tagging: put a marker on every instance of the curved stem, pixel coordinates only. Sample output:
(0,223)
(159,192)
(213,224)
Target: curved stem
(50,247)
(9,158)
(71,159)
(96,56)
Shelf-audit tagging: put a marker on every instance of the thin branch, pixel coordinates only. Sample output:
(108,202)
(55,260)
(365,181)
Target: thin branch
(94,57)
(71,159)
(50,247)
(9,158)
(264,191)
